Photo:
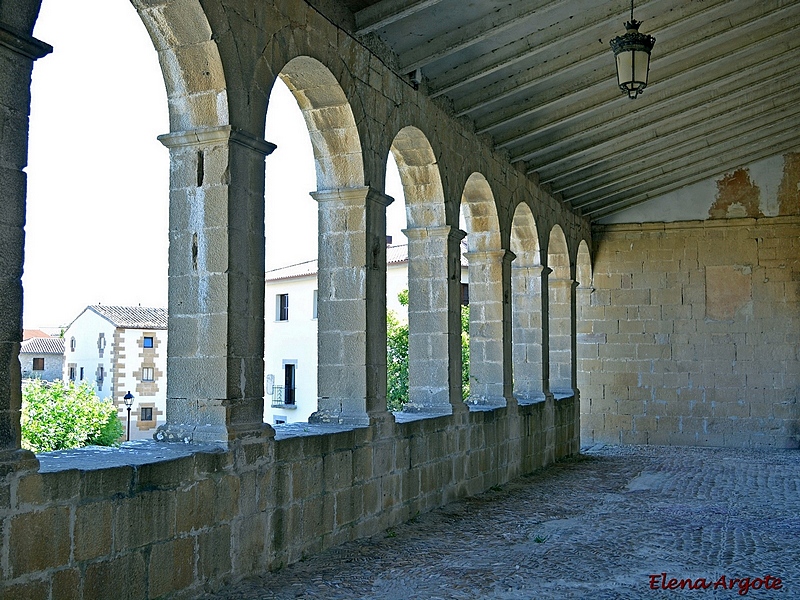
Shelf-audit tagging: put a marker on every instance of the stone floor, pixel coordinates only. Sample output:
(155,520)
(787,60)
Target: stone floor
(605,525)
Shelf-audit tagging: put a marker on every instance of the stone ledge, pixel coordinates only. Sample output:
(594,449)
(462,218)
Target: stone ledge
(144,452)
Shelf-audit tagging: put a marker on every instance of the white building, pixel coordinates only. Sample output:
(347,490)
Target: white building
(290,350)
(120,349)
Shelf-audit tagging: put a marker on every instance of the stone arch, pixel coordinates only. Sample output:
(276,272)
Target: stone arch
(583,266)
(480,215)
(528,278)
(433,279)
(587,348)
(190,62)
(422,182)
(561,321)
(487,264)
(330,121)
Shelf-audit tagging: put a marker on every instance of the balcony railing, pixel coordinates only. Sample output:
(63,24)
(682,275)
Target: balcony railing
(283,398)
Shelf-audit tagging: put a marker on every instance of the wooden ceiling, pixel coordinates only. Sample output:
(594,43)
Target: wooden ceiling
(538,78)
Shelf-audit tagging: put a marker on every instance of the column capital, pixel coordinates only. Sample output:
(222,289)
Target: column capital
(212,136)
(534,269)
(485,256)
(353,195)
(441,231)
(22,43)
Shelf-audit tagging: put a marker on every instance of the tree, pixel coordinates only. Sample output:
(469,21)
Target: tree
(397,356)
(59,416)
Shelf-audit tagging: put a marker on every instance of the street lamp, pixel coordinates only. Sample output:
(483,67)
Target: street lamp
(128,399)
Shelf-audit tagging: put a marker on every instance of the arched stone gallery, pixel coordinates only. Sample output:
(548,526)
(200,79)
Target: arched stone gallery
(242,499)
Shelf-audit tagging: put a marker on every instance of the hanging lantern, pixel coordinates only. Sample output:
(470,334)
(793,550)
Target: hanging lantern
(632,52)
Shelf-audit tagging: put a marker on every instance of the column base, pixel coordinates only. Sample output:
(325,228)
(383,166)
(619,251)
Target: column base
(12,461)
(337,417)
(487,401)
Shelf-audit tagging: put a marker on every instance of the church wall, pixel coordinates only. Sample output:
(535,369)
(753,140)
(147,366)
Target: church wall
(691,334)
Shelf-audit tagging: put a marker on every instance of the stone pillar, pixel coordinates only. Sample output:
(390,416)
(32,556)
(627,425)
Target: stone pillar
(434,320)
(18,51)
(562,336)
(351,309)
(215,356)
(488,324)
(530,332)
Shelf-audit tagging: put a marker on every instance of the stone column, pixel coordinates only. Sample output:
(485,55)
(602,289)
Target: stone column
(530,332)
(562,336)
(351,309)
(434,320)
(215,357)
(488,322)
(18,51)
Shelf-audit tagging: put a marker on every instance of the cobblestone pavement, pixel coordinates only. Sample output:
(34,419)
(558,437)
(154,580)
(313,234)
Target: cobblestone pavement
(597,526)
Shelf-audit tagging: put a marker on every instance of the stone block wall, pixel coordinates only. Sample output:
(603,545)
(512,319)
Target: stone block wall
(174,528)
(691,334)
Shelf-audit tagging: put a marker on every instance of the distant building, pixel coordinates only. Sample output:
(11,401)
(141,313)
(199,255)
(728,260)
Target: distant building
(290,349)
(42,357)
(119,349)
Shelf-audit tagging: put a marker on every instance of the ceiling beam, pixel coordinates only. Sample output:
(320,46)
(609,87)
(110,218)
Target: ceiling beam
(703,62)
(654,159)
(712,165)
(670,99)
(572,154)
(385,13)
(532,50)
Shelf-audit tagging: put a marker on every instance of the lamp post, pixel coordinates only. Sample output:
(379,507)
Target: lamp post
(128,399)
(632,52)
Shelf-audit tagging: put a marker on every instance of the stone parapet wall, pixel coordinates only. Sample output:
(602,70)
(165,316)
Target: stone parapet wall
(171,529)
(691,334)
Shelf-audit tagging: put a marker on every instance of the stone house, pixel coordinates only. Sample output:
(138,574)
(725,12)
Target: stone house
(42,357)
(290,350)
(120,349)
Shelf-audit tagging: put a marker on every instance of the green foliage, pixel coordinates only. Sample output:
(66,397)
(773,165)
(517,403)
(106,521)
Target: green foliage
(397,356)
(60,416)
(396,361)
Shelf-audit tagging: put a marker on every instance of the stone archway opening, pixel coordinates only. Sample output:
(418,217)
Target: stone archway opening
(487,262)
(347,236)
(291,252)
(430,243)
(97,198)
(587,340)
(528,276)
(561,319)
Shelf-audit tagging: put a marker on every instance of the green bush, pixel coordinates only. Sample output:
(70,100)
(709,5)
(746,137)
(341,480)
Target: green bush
(60,416)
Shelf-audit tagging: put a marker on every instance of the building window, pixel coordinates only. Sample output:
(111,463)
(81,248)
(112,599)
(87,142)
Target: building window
(38,364)
(280,420)
(282,307)
(288,383)
(314,306)
(72,344)
(81,373)
(146,413)
(72,373)
(147,373)
(464,294)
(148,342)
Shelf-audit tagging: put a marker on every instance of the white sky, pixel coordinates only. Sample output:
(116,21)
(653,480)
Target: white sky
(98,179)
